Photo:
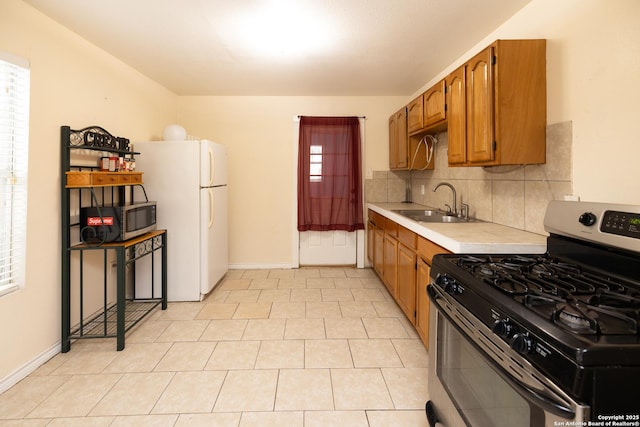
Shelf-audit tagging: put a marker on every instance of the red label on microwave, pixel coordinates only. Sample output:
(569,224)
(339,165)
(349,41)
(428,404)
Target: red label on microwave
(96,220)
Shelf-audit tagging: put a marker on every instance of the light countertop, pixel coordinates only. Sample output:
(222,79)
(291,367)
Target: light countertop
(472,237)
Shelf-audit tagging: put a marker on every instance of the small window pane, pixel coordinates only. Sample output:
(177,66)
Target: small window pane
(315,169)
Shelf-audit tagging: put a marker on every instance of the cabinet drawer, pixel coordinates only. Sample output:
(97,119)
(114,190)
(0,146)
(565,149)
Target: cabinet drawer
(407,237)
(376,218)
(427,249)
(124,178)
(104,178)
(391,227)
(77,179)
(136,177)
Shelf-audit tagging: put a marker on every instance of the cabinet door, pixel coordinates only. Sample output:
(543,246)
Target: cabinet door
(422,301)
(402,160)
(434,105)
(480,108)
(378,251)
(406,294)
(414,115)
(370,241)
(456,117)
(398,138)
(393,142)
(390,269)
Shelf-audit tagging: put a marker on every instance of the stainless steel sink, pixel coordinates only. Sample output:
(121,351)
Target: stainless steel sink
(413,214)
(451,218)
(432,216)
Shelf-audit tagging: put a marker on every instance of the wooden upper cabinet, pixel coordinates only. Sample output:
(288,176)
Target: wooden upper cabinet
(496,106)
(403,151)
(433,100)
(456,117)
(427,111)
(480,91)
(393,140)
(398,140)
(415,115)
(520,83)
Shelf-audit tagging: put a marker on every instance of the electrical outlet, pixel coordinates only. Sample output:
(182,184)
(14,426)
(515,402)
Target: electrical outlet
(422,189)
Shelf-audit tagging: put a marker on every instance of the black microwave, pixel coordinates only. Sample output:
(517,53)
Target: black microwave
(104,224)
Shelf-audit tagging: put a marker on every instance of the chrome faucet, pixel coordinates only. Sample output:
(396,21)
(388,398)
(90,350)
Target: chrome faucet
(453,190)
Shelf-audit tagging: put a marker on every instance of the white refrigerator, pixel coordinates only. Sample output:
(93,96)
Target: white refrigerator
(188,180)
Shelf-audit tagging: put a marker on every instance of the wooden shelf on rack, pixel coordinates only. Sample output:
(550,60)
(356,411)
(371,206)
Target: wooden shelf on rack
(123,244)
(80,179)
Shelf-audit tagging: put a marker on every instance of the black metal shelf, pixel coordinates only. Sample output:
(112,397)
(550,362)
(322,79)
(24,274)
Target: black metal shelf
(115,318)
(105,324)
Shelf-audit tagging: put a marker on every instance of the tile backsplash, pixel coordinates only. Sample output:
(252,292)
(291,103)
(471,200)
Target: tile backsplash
(515,196)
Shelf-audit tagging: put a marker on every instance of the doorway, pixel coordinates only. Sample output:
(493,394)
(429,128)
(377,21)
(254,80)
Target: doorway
(327,247)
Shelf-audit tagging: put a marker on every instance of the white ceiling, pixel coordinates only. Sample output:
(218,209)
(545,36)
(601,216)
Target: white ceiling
(356,47)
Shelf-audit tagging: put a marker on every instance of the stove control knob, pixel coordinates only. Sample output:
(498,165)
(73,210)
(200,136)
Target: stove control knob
(503,328)
(522,343)
(587,219)
(449,284)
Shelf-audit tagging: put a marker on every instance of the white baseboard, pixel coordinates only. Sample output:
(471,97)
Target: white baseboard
(260,266)
(16,376)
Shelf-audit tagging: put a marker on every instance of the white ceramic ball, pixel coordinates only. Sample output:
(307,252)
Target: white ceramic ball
(174,133)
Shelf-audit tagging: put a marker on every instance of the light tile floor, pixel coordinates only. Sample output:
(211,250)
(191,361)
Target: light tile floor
(306,347)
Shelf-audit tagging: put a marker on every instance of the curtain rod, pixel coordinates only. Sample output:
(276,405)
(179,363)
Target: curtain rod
(360,117)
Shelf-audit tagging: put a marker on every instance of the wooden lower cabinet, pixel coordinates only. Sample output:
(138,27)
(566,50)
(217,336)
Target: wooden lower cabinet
(390,268)
(370,241)
(402,259)
(422,301)
(378,251)
(406,294)
(426,251)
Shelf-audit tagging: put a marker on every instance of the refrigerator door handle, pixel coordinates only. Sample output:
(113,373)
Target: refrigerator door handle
(211,208)
(211,167)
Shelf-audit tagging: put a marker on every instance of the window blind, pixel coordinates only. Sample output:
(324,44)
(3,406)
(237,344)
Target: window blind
(14,144)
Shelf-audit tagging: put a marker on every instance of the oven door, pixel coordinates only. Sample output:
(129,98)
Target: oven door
(476,379)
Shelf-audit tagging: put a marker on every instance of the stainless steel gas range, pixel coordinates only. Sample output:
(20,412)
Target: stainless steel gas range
(541,340)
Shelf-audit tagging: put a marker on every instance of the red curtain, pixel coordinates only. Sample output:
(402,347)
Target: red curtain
(329,174)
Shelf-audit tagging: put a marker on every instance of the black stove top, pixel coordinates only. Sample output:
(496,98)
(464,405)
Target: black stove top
(571,296)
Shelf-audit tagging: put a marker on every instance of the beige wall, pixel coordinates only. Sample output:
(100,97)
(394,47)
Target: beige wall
(72,83)
(259,133)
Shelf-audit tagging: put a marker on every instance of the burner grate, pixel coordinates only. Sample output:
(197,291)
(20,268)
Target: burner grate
(578,300)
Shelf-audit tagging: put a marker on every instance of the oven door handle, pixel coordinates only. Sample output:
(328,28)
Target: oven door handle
(546,403)
(534,397)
